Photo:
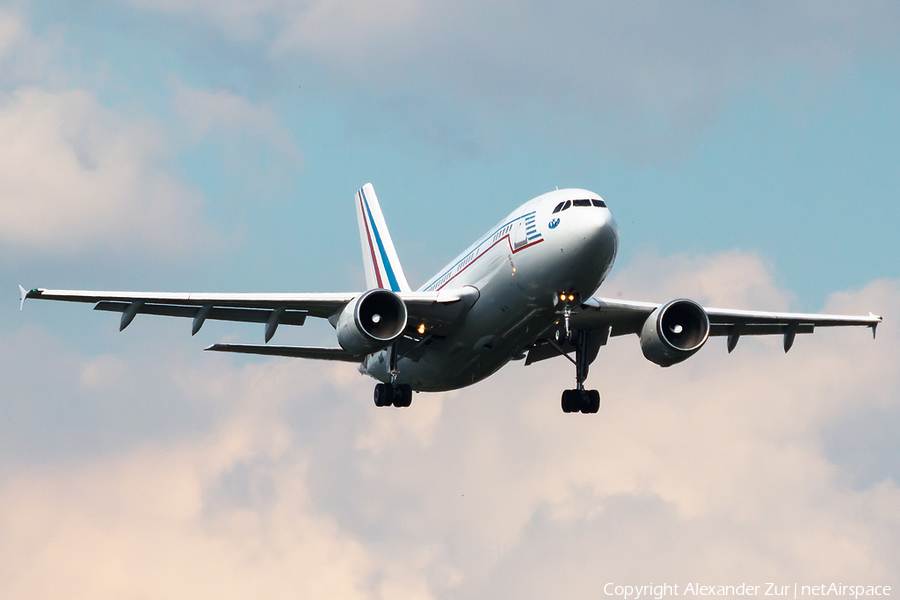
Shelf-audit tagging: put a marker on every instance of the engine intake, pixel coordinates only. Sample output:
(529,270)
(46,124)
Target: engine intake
(371,321)
(674,332)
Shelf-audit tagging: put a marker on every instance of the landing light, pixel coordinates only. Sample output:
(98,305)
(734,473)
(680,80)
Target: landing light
(571,297)
(421,328)
(562,297)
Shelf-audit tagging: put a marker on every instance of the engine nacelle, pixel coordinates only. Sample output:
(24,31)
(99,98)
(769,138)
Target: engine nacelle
(371,321)
(674,331)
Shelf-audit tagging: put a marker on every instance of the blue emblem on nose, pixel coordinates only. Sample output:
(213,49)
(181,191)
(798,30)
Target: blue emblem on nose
(552,224)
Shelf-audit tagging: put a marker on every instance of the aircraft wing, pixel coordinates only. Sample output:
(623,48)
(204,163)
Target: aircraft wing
(440,310)
(624,317)
(604,317)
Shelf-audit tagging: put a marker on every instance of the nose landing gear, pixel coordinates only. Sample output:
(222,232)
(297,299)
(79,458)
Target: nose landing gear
(580,399)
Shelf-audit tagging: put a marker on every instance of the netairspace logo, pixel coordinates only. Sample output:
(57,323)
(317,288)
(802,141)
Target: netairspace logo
(658,592)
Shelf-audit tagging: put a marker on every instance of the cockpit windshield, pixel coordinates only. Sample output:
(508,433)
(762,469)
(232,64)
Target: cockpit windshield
(581,202)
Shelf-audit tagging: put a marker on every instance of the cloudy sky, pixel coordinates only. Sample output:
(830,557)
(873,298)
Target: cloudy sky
(749,152)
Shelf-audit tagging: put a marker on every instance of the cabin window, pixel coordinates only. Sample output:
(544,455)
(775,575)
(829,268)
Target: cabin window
(558,207)
(599,203)
(582,202)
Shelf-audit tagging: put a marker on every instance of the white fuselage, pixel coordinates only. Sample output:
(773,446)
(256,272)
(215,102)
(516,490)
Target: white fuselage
(519,268)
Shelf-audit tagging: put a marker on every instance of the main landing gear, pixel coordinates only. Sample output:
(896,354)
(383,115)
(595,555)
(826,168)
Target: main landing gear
(396,394)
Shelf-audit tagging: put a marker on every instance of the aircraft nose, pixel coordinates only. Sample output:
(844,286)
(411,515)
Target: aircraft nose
(594,224)
(598,232)
(585,229)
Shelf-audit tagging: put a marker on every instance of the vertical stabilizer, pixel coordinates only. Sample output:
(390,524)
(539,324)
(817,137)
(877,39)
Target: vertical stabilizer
(383,268)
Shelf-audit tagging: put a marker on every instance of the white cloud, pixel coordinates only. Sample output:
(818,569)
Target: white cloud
(75,176)
(137,525)
(346,30)
(78,176)
(29,59)
(241,19)
(205,113)
(733,279)
(11,31)
(714,469)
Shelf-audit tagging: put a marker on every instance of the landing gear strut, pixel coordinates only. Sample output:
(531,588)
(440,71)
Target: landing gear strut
(580,399)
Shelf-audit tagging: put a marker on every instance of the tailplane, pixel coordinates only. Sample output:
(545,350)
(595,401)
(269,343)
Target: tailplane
(383,268)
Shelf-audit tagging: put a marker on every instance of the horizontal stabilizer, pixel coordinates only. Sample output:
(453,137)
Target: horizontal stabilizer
(291,351)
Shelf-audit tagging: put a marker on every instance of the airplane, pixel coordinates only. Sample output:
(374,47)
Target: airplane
(523,291)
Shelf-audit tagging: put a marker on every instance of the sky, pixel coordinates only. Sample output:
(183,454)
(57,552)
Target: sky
(748,151)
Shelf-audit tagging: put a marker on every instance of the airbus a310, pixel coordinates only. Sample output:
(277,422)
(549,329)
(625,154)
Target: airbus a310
(523,290)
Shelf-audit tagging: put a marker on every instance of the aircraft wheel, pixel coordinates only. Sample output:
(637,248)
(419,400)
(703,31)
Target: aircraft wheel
(408,395)
(383,395)
(560,336)
(590,401)
(402,395)
(570,401)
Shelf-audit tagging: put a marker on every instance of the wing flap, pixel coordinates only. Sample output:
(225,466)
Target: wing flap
(289,351)
(317,304)
(247,315)
(753,317)
(719,329)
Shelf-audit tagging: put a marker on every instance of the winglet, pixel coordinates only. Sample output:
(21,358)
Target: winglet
(22,295)
(874,324)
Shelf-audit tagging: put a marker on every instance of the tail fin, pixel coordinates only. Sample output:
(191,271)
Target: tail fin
(383,268)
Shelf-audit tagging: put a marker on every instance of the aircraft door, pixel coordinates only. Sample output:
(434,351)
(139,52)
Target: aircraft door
(520,235)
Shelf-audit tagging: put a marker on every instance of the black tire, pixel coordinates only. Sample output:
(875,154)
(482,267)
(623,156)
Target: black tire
(382,398)
(402,395)
(590,402)
(560,337)
(570,401)
(407,394)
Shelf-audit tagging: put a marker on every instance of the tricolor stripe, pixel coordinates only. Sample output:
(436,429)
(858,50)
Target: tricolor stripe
(366,219)
(383,269)
(372,232)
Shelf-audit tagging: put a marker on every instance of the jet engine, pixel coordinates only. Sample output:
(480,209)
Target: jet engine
(674,332)
(371,321)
